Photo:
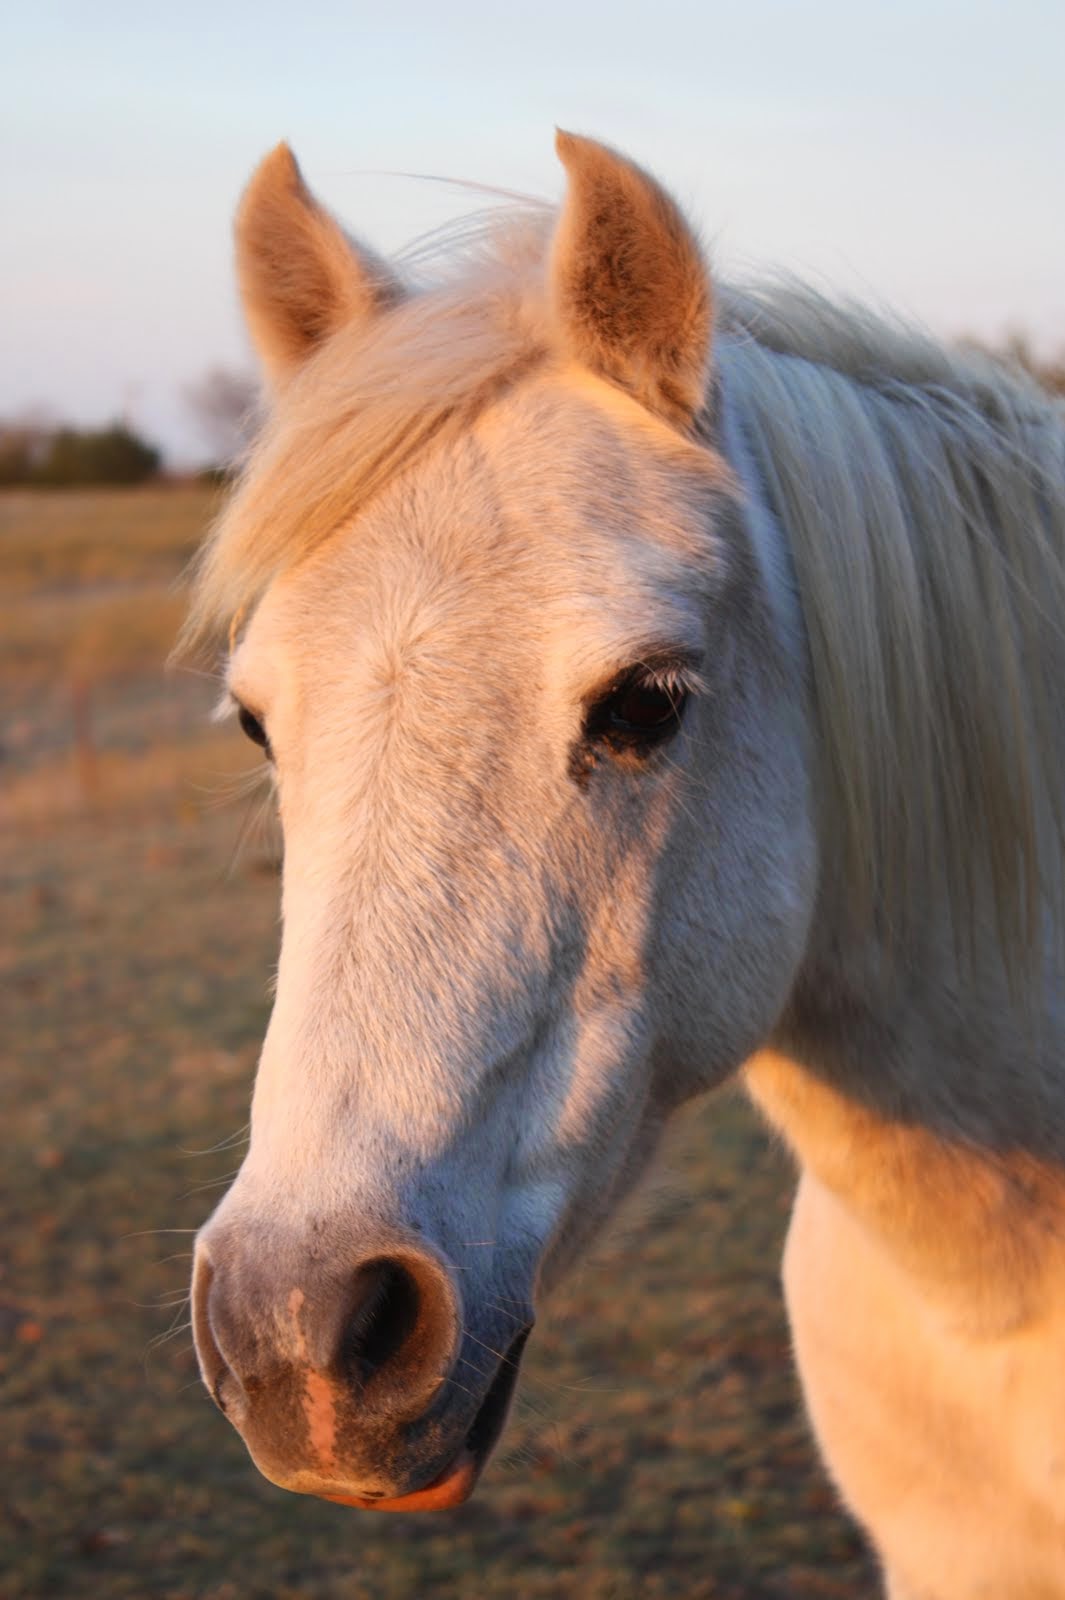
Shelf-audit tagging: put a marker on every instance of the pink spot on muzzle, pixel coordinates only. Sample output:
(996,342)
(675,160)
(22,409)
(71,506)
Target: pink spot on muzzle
(319,1401)
(319,1407)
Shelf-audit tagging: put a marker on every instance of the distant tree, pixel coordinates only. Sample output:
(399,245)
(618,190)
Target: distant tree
(1050,372)
(109,455)
(1017,351)
(226,405)
(24,442)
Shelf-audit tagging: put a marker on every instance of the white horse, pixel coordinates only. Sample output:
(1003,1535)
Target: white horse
(660,683)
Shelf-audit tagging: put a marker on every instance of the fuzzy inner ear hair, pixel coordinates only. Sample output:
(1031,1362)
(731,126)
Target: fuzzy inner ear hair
(628,285)
(301,277)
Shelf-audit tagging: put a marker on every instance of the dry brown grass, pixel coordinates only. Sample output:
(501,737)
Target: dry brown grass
(90,581)
(67,539)
(90,604)
(186,777)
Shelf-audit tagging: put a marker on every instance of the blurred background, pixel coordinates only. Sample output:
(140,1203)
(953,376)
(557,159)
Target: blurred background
(909,154)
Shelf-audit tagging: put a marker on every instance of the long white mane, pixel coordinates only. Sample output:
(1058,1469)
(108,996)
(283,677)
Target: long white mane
(923,495)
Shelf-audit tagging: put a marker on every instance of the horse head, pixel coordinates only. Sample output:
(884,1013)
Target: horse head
(500,624)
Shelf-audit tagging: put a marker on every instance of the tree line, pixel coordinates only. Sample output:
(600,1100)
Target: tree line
(39,455)
(36,451)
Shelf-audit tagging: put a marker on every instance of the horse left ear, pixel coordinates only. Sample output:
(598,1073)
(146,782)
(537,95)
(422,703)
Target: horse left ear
(629,287)
(301,277)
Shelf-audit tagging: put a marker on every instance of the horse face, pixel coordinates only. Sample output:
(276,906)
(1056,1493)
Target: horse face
(543,879)
(547,873)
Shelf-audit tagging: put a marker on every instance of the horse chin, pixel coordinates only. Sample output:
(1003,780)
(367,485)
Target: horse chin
(448,1489)
(457,1481)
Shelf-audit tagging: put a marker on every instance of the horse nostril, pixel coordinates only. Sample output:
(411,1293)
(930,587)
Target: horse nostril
(387,1308)
(379,1335)
(214,1368)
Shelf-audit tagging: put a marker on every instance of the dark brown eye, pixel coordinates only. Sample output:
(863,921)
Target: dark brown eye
(637,713)
(254,729)
(643,708)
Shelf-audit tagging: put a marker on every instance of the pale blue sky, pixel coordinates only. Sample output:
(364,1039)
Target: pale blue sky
(914,153)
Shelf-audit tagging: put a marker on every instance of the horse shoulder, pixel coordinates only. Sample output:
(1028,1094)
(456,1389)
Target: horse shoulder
(926,1294)
(981,1233)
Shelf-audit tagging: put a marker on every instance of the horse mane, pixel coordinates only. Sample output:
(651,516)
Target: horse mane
(922,492)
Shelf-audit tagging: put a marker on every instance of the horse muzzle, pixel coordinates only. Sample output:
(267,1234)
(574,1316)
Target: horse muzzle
(363,1384)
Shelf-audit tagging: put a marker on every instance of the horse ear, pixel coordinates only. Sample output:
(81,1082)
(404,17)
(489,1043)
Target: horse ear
(301,278)
(629,287)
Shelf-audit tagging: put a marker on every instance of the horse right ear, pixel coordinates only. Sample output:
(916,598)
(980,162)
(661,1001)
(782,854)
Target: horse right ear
(301,277)
(629,286)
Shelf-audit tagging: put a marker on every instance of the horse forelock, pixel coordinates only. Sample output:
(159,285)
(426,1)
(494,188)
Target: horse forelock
(365,407)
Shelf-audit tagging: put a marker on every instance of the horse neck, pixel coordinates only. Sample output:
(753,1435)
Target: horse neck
(904,1071)
(919,1095)
(931,1036)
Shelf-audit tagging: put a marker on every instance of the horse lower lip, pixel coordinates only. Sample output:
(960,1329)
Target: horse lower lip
(448,1489)
(457,1481)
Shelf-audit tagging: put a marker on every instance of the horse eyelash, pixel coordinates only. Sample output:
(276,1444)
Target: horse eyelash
(673,677)
(674,673)
(226,706)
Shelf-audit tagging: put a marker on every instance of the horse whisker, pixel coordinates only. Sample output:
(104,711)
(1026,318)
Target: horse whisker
(242,1135)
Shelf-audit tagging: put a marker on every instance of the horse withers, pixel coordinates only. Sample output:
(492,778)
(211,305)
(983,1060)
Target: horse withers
(660,682)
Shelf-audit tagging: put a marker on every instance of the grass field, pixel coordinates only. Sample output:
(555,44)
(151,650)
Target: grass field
(658,1447)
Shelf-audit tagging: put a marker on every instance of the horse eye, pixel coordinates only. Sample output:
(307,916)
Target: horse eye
(636,714)
(254,729)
